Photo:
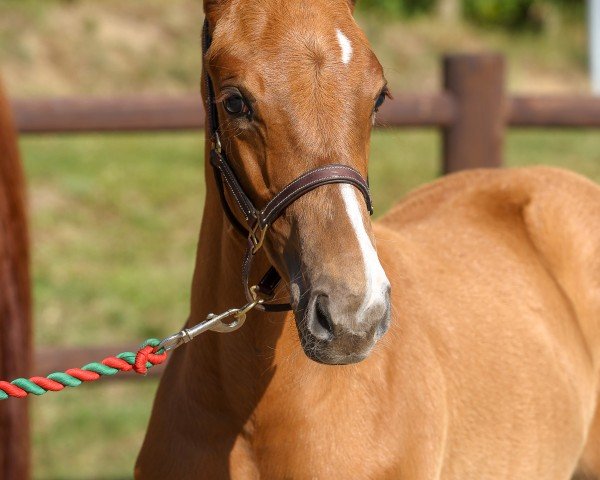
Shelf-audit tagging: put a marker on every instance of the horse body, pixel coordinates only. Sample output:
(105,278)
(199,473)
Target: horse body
(489,370)
(501,282)
(490,366)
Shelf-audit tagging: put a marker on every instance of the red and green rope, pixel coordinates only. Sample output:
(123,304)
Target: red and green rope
(145,358)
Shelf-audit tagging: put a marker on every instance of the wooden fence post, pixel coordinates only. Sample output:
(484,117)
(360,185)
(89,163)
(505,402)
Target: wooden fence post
(475,139)
(15,301)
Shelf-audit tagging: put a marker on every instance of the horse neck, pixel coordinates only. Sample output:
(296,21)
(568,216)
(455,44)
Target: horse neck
(217,287)
(217,284)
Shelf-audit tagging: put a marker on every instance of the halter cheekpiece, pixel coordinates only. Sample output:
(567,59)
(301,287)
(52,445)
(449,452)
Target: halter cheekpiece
(257,220)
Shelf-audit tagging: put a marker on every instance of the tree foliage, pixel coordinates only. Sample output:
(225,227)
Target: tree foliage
(510,14)
(398,7)
(505,13)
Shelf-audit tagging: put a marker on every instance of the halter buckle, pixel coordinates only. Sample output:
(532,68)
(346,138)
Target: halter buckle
(257,237)
(216,143)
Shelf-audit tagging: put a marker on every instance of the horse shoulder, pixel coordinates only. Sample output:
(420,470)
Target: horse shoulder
(549,213)
(499,271)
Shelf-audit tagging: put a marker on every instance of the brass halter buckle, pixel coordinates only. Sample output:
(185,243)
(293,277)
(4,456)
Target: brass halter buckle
(214,323)
(216,143)
(257,237)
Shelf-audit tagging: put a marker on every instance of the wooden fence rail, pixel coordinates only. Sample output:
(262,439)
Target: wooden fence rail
(473,112)
(164,113)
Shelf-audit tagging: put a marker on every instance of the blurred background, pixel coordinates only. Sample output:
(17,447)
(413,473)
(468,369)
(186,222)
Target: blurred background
(115,217)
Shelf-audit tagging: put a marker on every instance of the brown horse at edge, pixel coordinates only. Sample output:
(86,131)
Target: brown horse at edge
(490,366)
(15,301)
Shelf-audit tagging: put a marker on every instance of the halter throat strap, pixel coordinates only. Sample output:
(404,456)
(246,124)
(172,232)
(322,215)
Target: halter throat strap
(258,220)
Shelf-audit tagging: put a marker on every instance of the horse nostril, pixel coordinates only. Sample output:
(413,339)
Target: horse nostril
(322,314)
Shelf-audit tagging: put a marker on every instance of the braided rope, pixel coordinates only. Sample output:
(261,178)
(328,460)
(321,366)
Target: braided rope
(145,358)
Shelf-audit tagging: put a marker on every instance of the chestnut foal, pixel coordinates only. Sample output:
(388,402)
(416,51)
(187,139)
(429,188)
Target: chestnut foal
(490,367)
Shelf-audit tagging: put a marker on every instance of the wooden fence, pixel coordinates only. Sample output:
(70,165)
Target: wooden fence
(473,113)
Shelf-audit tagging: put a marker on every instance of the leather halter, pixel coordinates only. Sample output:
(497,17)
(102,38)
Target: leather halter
(258,220)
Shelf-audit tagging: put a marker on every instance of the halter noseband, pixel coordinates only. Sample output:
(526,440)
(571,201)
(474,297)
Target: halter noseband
(258,221)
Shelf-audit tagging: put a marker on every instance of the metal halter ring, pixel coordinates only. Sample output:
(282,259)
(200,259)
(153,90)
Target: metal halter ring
(257,237)
(216,143)
(213,323)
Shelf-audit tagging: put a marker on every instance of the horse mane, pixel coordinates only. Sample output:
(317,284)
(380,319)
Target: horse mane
(15,297)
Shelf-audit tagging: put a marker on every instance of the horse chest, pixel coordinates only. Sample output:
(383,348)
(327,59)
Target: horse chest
(316,426)
(315,448)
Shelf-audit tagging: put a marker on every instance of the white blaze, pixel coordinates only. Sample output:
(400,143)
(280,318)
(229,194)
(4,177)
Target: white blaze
(376,280)
(345,45)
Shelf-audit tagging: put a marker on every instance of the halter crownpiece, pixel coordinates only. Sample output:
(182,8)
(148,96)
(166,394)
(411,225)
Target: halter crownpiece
(258,221)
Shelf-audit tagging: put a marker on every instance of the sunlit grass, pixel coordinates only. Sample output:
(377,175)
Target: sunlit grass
(91,432)
(577,150)
(115,222)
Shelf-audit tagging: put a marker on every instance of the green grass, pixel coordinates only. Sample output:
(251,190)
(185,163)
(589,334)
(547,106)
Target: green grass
(92,432)
(115,222)
(122,214)
(575,150)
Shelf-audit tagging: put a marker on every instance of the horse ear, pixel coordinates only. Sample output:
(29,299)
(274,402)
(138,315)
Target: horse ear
(211,5)
(212,9)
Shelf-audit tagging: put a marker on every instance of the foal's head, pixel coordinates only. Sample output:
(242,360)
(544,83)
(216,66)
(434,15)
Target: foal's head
(298,87)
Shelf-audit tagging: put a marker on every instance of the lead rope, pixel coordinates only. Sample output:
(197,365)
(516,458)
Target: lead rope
(151,353)
(146,357)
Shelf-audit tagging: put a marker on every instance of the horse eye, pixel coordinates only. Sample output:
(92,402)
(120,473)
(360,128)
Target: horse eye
(236,105)
(381,99)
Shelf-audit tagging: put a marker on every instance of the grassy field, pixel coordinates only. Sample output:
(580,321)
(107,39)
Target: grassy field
(115,218)
(115,223)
